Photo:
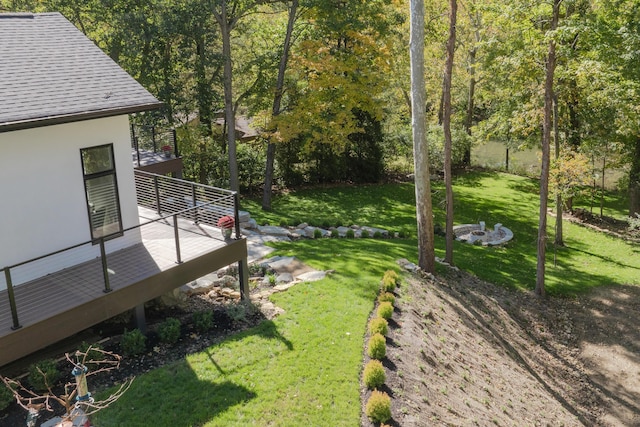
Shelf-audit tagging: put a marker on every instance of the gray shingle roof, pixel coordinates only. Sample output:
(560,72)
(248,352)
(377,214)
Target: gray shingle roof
(51,73)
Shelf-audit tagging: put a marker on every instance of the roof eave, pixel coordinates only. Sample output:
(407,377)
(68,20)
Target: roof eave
(77,117)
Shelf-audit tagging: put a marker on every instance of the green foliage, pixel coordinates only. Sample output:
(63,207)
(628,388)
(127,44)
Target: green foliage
(390,280)
(6,396)
(242,311)
(377,347)
(378,407)
(377,235)
(203,320)
(365,234)
(350,234)
(317,233)
(387,296)
(378,325)
(335,233)
(374,375)
(133,343)
(93,353)
(43,374)
(169,330)
(385,310)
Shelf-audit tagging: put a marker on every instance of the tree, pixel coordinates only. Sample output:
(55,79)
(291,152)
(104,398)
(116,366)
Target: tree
(446,124)
(546,142)
(277,102)
(424,211)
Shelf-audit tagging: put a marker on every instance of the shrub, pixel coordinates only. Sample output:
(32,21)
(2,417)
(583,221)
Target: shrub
(335,233)
(365,234)
(385,310)
(43,374)
(326,223)
(388,284)
(169,330)
(93,354)
(350,233)
(378,407)
(283,223)
(378,325)
(203,320)
(377,348)
(133,342)
(242,311)
(317,233)
(377,235)
(374,375)
(387,296)
(393,275)
(6,396)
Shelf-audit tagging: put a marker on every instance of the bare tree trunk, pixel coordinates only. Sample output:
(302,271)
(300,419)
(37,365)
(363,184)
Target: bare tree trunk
(559,240)
(546,141)
(446,124)
(225,31)
(634,181)
(424,210)
(277,99)
(468,121)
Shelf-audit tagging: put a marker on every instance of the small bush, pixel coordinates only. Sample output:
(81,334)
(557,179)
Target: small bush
(283,223)
(378,407)
(402,234)
(365,234)
(6,396)
(335,233)
(377,348)
(93,353)
(242,311)
(387,297)
(388,284)
(374,375)
(317,233)
(350,233)
(378,325)
(133,342)
(203,320)
(393,275)
(169,330)
(377,235)
(326,223)
(385,310)
(43,374)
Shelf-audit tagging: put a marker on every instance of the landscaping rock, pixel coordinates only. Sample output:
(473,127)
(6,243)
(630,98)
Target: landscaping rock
(244,216)
(312,276)
(273,230)
(284,278)
(407,265)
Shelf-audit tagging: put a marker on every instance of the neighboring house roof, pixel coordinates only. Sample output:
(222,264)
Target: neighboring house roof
(244,130)
(51,73)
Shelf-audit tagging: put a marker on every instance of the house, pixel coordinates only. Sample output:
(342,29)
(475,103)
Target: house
(83,235)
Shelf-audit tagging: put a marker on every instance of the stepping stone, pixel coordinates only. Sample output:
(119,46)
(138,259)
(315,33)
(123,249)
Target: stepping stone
(312,276)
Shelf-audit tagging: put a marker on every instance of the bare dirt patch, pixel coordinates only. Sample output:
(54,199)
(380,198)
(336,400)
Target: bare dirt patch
(465,352)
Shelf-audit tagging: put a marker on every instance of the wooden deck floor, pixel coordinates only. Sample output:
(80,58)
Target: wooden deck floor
(80,289)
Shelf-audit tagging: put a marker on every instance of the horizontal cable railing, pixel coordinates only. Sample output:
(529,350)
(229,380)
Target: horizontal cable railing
(172,199)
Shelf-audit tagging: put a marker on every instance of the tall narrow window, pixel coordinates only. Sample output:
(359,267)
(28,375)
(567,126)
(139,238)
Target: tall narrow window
(102,191)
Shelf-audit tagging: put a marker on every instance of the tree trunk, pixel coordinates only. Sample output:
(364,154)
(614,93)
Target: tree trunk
(424,211)
(225,31)
(277,99)
(546,141)
(204,110)
(468,121)
(559,241)
(446,124)
(634,181)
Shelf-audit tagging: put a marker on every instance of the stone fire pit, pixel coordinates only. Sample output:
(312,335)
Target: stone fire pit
(479,234)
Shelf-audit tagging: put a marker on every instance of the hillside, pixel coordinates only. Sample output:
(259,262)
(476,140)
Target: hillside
(465,352)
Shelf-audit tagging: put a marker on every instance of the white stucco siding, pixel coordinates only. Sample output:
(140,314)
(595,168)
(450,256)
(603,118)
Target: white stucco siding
(42,197)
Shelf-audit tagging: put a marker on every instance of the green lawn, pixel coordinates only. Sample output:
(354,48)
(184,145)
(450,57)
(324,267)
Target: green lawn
(303,367)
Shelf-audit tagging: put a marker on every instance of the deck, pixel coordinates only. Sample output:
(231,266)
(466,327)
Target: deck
(61,304)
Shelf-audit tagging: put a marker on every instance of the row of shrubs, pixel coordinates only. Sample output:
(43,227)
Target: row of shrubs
(378,407)
(351,234)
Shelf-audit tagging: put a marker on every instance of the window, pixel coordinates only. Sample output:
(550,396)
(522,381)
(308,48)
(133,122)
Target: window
(101,189)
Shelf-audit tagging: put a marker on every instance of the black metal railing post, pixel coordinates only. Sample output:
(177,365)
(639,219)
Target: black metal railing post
(236,214)
(195,205)
(157,189)
(175,143)
(177,238)
(153,139)
(105,270)
(12,299)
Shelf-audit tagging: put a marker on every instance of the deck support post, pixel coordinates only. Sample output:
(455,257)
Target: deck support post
(139,318)
(12,300)
(157,188)
(243,276)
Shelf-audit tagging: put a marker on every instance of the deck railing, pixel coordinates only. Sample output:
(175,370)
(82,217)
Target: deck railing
(151,139)
(170,198)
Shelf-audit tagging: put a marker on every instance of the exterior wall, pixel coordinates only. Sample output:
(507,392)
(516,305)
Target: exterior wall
(43,206)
